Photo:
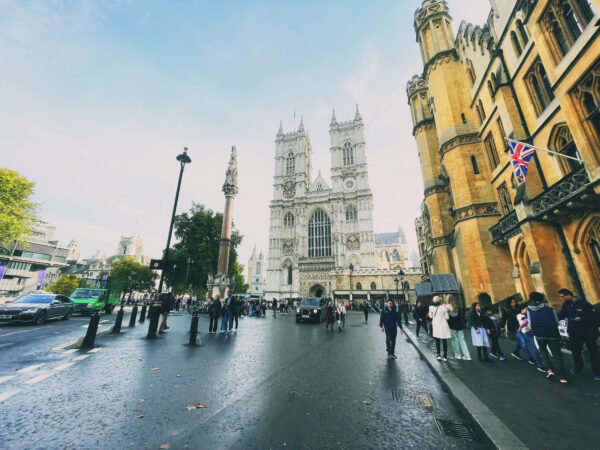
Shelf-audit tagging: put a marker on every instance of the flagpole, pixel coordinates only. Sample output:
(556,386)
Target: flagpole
(579,160)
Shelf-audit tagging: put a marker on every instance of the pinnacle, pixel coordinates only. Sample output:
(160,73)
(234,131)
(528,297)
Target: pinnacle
(301,128)
(280,131)
(357,116)
(333,119)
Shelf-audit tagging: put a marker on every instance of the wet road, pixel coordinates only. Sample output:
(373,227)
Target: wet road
(274,384)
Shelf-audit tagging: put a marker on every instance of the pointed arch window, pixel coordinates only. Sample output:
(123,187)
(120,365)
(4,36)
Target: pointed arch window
(348,154)
(475,165)
(288,220)
(395,256)
(505,202)
(522,31)
(290,275)
(491,89)
(351,214)
(539,87)
(319,235)
(562,141)
(595,250)
(490,146)
(565,21)
(471,72)
(359,286)
(515,43)
(290,164)
(373,286)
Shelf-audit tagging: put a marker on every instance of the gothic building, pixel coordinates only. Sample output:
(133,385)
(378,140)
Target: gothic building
(256,273)
(531,73)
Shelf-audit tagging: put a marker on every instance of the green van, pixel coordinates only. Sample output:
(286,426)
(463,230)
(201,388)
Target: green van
(86,300)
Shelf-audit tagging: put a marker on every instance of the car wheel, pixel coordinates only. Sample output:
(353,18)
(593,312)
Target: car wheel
(67,315)
(41,318)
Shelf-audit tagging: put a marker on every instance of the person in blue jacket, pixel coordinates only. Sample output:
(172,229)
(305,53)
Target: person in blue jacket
(388,321)
(420,316)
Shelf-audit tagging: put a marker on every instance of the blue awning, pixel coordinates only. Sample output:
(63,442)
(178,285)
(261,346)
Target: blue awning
(444,283)
(423,289)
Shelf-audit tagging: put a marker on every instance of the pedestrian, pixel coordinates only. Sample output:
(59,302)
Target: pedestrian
(177,304)
(492,324)
(342,316)
(582,327)
(389,322)
(214,312)
(228,306)
(479,334)
(543,321)
(456,325)
(287,306)
(526,341)
(366,311)
(329,316)
(420,316)
(439,322)
(274,306)
(509,318)
(189,304)
(236,308)
(165,308)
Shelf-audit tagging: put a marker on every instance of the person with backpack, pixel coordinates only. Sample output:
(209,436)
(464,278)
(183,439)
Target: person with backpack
(439,324)
(582,327)
(420,316)
(456,325)
(526,342)
(543,321)
(341,314)
(492,323)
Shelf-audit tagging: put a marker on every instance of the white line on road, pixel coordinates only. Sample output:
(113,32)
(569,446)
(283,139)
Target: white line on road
(17,332)
(6,378)
(30,368)
(104,321)
(63,367)
(6,344)
(39,378)
(95,350)
(71,350)
(62,347)
(79,358)
(8,394)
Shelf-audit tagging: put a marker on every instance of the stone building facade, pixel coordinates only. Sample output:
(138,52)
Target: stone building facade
(256,273)
(531,73)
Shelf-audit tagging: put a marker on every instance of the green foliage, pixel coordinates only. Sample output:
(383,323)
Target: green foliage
(135,276)
(197,253)
(65,285)
(18,214)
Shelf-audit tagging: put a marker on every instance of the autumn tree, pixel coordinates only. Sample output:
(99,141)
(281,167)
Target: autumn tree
(18,214)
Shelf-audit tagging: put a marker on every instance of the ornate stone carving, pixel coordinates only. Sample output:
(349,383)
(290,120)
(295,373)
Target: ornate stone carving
(353,242)
(430,8)
(437,189)
(416,84)
(289,189)
(288,247)
(475,210)
(230,187)
(440,241)
(440,58)
(459,140)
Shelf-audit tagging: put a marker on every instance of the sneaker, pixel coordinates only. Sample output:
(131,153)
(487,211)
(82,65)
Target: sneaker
(466,358)
(549,374)
(596,377)
(574,371)
(389,355)
(516,356)
(235,331)
(563,380)
(503,358)
(458,357)
(445,359)
(531,361)
(493,355)
(393,356)
(439,357)
(541,369)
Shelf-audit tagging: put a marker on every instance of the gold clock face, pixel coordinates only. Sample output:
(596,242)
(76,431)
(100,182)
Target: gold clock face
(289,190)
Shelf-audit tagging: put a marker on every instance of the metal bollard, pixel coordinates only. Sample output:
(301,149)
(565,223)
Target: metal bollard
(133,316)
(90,336)
(143,313)
(194,328)
(154,318)
(117,328)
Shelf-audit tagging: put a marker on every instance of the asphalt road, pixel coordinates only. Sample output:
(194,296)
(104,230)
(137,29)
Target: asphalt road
(274,384)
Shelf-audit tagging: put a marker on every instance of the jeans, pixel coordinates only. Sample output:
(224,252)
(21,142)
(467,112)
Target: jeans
(459,345)
(342,321)
(445,346)
(527,343)
(422,324)
(577,346)
(390,339)
(228,320)
(556,362)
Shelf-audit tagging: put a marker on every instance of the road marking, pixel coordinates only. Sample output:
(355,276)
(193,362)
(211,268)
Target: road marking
(6,344)
(6,378)
(8,394)
(30,368)
(63,367)
(62,347)
(95,350)
(79,358)
(17,332)
(39,378)
(72,350)
(104,321)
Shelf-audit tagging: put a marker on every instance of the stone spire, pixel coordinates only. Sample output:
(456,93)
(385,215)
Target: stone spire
(357,116)
(280,131)
(230,187)
(333,119)
(301,127)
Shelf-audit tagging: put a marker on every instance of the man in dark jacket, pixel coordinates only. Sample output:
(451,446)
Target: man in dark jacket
(544,325)
(366,310)
(509,317)
(388,321)
(165,308)
(420,316)
(582,329)
(214,312)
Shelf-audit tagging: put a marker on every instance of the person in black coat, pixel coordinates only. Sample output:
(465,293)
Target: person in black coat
(214,312)
(420,316)
(389,321)
(237,306)
(509,317)
(165,308)
(366,310)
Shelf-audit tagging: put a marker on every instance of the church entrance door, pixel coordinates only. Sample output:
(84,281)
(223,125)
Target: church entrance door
(316,291)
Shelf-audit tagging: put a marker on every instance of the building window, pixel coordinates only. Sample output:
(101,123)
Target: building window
(475,166)
(516,44)
(373,286)
(358,286)
(395,256)
(351,214)
(539,87)
(565,21)
(290,166)
(288,220)
(502,133)
(490,146)
(505,202)
(561,141)
(522,32)
(290,275)
(348,154)
(587,95)
(490,89)
(471,72)
(595,248)
(319,235)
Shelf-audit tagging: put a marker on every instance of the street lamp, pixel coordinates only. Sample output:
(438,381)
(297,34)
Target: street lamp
(404,303)
(183,159)
(396,280)
(351,267)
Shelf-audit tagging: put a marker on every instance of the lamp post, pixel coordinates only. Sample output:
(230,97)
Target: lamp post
(404,303)
(351,267)
(183,159)
(396,280)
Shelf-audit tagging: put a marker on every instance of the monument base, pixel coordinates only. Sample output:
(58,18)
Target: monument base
(219,285)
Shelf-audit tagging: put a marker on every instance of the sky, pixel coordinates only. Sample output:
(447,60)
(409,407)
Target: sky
(99,97)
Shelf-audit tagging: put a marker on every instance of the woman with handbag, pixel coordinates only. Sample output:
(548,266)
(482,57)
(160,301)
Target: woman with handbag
(439,324)
(456,324)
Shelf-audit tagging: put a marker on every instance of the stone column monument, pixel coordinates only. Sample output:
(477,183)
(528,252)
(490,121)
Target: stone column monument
(222,281)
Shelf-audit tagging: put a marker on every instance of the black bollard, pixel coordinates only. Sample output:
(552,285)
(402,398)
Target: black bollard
(117,328)
(194,327)
(133,316)
(154,317)
(90,336)
(143,313)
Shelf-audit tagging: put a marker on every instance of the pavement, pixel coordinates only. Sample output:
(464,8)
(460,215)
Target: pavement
(540,413)
(275,384)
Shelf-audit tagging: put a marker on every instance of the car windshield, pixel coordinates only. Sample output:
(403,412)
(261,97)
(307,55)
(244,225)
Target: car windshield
(310,302)
(34,299)
(86,293)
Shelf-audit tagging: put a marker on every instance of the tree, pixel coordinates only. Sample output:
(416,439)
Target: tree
(135,276)
(65,285)
(197,253)
(18,214)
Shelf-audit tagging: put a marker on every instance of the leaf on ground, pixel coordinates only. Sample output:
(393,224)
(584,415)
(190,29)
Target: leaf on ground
(165,446)
(190,408)
(98,433)
(141,400)
(200,405)
(365,402)
(156,368)
(139,416)
(178,376)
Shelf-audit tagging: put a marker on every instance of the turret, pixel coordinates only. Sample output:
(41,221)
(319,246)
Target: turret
(433,26)
(417,98)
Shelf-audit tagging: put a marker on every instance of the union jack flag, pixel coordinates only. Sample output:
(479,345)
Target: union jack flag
(520,155)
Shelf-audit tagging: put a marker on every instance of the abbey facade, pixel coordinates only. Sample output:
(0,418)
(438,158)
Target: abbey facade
(532,73)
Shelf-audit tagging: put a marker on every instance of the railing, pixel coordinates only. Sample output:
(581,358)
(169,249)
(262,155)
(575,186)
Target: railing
(505,226)
(567,188)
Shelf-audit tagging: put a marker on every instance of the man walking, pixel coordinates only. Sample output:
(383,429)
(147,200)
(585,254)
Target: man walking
(274,306)
(366,311)
(237,306)
(214,312)
(582,329)
(228,316)
(165,308)
(388,321)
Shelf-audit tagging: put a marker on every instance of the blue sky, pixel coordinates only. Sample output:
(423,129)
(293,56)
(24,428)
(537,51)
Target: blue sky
(98,97)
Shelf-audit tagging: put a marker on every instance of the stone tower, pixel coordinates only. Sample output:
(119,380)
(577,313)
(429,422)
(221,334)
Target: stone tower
(455,169)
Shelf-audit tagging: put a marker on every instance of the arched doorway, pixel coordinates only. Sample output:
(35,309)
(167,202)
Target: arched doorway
(523,262)
(317,291)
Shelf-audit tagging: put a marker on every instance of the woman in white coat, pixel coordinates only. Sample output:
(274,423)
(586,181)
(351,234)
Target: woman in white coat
(341,309)
(439,324)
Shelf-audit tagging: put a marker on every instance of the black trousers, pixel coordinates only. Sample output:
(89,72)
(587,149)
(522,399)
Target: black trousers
(366,311)
(577,346)
(421,324)
(482,353)
(212,325)
(390,340)
(495,345)
(235,320)
(444,345)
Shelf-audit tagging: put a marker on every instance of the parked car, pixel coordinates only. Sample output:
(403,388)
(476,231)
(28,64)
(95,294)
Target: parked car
(311,309)
(37,308)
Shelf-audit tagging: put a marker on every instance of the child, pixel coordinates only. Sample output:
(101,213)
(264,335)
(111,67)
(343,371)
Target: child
(479,334)
(492,324)
(526,342)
